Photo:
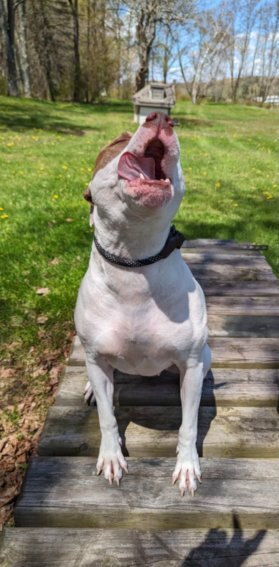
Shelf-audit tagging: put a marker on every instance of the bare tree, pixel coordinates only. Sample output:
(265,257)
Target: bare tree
(7,10)
(147,15)
(241,17)
(75,14)
(268,55)
(204,48)
(22,48)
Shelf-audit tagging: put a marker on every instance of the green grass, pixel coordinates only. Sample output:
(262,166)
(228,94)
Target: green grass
(47,151)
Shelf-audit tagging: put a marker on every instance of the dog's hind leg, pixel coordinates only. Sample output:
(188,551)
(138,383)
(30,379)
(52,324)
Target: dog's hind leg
(187,468)
(110,460)
(88,394)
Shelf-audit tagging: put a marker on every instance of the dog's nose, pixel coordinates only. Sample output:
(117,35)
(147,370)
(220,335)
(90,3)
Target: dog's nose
(151,117)
(160,119)
(169,121)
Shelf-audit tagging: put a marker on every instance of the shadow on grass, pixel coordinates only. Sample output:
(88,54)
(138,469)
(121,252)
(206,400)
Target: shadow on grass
(20,114)
(192,123)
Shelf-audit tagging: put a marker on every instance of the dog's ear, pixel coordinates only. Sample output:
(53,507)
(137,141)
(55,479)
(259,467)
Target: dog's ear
(112,150)
(87,195)
(88,198)
(105,156)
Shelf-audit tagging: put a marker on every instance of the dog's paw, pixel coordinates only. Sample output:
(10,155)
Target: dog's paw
(89,397)
(187,471)
(111,462)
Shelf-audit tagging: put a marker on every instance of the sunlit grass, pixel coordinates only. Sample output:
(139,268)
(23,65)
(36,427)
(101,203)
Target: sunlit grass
(47,152)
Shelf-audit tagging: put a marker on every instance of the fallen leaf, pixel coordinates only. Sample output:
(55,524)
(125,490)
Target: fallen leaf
(54,262)
(7,372)
(42,319)
(41,334)
(8,494)
(42,291)
(21,459)
(3,442)
(14,345)
(39,372)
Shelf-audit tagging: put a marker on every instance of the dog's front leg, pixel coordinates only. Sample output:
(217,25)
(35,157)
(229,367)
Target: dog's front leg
(187,468)
(110,460)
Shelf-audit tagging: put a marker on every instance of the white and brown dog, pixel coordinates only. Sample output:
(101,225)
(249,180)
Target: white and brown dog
(139,308)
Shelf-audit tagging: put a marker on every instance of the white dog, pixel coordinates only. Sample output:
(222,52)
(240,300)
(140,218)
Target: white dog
(139,308)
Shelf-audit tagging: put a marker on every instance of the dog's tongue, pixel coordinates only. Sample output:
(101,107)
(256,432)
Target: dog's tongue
(131,167)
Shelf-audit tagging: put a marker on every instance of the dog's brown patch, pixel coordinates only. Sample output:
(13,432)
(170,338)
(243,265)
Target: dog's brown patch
(112,150)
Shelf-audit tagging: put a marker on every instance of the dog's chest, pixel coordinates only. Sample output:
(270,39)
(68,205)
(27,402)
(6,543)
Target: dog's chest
(141,323)
(144,337)
(137,343)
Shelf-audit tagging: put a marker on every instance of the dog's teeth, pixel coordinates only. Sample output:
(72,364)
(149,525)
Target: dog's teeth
(141,176)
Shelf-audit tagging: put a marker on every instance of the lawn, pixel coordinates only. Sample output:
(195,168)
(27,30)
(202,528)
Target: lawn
(47,152)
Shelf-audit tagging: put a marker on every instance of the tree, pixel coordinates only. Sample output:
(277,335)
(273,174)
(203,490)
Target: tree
(268,52)
(7,10)
(203,49)
(147,15)
(22,48)
(241,16)
(75,15)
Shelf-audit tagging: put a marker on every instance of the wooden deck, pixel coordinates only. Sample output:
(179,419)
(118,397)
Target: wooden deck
(66,516)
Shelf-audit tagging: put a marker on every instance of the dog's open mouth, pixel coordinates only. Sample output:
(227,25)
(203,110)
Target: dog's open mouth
(145,169)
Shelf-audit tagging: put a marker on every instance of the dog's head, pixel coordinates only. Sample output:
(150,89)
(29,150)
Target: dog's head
(139,176)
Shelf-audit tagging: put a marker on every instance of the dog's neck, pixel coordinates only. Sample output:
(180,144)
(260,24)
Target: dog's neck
(175,240)
(133,241)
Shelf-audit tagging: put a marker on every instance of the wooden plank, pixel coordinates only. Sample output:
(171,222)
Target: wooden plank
(69,547)
(152,431)
(238,289)
(245,353)
(222,244)
(65,492)
(227,352)
(249,305)
(198,260)
(239,260)
(223,387)
(231,273)
(243,325)
(218,250)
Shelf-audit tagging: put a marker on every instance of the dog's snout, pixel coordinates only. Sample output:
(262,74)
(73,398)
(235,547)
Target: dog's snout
(159,119)
(151,117)
(169,120)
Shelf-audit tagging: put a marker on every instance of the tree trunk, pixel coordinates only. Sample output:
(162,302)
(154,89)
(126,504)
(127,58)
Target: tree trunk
(146,31)
(8,19)
(74,8)
(22,49)
(45,53)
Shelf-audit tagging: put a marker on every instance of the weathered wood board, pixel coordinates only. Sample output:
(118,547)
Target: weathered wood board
(222,387)
(68,547)
(65,492)
(249,305)
(221,245)
(238,288)
(152,431)
(227,352)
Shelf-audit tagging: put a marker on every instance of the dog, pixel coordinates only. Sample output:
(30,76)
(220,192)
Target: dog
(139,308)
